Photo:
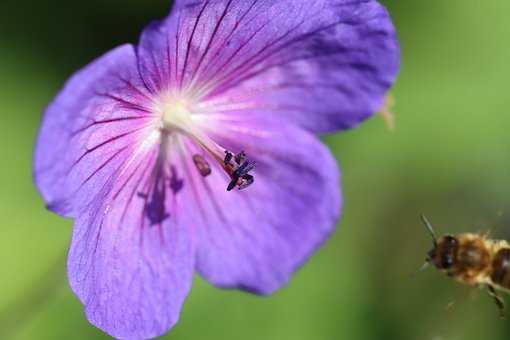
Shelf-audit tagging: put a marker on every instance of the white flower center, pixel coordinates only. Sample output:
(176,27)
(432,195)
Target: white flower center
(177,117)
(176,114)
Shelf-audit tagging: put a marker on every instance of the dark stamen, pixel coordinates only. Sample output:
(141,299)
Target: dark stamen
(244,168)
(232,184)
(228,157)
(240,158)
(238,167)
(246,181)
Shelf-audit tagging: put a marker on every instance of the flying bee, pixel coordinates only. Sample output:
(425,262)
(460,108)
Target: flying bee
(472,259)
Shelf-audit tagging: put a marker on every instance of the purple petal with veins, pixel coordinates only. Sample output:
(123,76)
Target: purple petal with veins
(196,150)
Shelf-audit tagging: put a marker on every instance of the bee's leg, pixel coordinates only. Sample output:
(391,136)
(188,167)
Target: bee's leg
(498,300)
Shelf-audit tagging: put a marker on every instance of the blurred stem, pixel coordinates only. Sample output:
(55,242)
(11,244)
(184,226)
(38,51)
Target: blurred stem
(19,312)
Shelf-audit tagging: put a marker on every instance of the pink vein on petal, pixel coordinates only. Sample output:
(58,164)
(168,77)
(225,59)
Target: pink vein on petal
(211,40)
(190,41)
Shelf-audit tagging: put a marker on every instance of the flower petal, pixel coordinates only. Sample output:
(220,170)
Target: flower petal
(132,271)
(89,130)
(325,65)
(256,238)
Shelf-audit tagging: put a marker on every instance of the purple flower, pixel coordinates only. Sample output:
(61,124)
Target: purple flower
(197,150)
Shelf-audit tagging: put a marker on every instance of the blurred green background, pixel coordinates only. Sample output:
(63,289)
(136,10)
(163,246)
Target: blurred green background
(449,158)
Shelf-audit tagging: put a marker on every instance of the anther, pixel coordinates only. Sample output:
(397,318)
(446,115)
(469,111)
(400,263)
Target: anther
(240,158)
(202,165)
(238,168)
(228,157)
(246,181)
